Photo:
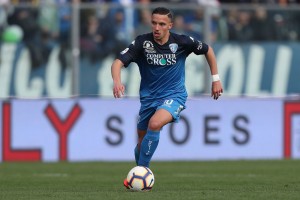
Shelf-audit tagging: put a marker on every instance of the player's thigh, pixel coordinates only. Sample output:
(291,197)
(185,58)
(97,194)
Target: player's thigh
(145,114)
(160,118)
(173,107)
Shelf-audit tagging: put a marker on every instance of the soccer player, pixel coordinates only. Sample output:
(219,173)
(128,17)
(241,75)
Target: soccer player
(160,56)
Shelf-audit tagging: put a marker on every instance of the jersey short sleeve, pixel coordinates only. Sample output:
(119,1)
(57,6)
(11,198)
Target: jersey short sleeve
(196,46)
(131,53)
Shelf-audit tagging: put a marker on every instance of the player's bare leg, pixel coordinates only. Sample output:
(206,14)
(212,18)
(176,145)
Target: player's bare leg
(160,118)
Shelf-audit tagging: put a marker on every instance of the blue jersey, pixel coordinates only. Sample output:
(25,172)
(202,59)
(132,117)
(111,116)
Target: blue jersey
(162,67)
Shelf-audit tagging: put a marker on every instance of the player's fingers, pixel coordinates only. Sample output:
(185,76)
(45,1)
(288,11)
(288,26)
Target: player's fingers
(217,95)
(116,93)
(123,90)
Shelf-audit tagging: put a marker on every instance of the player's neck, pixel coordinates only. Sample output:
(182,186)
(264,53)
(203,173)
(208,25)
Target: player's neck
(163,40)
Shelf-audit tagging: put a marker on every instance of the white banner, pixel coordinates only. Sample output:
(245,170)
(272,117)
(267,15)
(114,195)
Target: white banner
(105,130)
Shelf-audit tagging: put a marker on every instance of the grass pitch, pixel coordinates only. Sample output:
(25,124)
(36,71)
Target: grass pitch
(173,180)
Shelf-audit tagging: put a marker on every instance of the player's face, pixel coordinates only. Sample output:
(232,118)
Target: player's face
(161,24)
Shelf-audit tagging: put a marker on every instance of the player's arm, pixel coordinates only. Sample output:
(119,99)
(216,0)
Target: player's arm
(200,48)
(216,88)
(118,87)
(125,57)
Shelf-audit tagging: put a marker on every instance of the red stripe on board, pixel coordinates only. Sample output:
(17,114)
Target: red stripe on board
(9,154)
(290,108)
(63,127)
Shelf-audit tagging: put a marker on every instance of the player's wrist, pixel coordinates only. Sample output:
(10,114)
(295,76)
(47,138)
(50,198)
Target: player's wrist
(215,77)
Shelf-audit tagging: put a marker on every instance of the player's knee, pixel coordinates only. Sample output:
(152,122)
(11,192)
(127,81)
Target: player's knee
(154,125)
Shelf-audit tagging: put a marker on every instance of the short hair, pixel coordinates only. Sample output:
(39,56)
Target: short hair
(163,11)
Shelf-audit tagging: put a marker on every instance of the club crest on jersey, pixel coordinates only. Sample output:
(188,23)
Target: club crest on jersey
(173,47)
(148,46)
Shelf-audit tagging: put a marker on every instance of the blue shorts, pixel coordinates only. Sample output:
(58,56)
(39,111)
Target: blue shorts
(146,112)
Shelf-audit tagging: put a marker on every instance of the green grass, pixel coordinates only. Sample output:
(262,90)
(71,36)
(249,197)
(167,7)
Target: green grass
(173,180)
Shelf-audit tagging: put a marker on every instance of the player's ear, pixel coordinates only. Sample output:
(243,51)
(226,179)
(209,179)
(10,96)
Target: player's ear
(170,25)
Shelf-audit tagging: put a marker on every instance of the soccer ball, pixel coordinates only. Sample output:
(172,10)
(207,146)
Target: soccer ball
(140,179)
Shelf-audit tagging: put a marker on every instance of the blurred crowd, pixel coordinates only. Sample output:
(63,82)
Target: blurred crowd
(44,24)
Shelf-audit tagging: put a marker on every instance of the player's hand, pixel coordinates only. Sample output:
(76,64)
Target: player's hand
(118,90)
(216,89)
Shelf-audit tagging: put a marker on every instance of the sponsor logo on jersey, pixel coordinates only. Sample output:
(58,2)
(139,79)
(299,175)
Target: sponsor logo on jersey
(148,46)
(154,58)
(161,59)
(173,47)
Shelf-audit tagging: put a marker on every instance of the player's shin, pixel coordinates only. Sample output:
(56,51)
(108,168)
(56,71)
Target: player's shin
(148,147)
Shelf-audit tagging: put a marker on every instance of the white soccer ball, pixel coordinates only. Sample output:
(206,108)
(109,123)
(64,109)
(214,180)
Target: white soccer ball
(140,179)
